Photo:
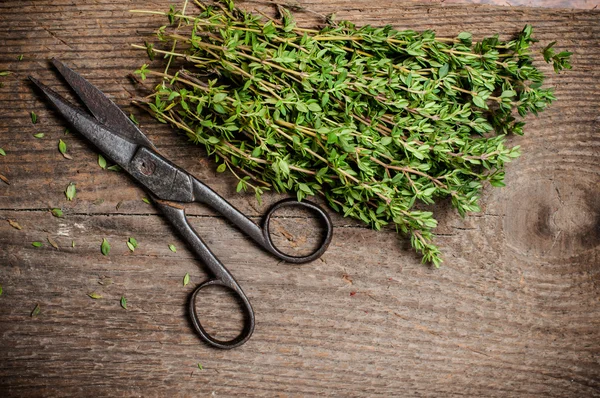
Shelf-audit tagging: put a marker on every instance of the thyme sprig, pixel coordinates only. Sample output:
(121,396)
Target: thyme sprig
(374,119)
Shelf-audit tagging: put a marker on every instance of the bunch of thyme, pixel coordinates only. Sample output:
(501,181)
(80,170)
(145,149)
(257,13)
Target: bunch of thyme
(374,119)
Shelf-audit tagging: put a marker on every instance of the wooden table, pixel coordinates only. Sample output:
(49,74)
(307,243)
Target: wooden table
(514,311)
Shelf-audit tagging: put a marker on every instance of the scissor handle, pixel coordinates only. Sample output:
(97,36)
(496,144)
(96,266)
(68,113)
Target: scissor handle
(223,344)
(318,252)
(222,277)
(262,235)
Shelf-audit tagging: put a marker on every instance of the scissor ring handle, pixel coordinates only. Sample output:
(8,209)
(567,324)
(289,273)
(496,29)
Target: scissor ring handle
(294,203)
(224,344)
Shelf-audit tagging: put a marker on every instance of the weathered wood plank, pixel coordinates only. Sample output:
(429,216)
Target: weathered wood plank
(513,312)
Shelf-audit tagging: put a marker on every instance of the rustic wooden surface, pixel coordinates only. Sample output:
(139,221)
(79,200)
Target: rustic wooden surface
(514,311)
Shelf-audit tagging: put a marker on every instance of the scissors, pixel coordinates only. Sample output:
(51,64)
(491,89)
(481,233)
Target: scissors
(169,186)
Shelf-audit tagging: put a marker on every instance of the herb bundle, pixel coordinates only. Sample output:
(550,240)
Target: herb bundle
(380,122)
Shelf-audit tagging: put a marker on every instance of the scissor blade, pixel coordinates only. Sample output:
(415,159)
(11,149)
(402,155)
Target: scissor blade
(103,109)
(117,148)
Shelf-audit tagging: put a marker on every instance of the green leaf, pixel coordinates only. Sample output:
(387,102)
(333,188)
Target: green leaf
(105,247)
(0,290)
(57,212)
(101,161)
(133,119)
(219,97)
(71,191)
(173,248)
(443,71)
(465,36)
(314,107)
(477,100)
(34,117)
(114,167)
(130,246)
(37,244)
(301,107)
(240,186)
(222,167)
(94,295)
(133,242)
(213,140)
(2,152)
(145,200)
(62,147)
(123,302)
(508,93)
(200,366)
(39,135)
(385,141)
(36,311)
(186,279)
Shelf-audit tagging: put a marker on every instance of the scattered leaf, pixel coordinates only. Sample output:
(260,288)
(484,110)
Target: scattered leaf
(72,243)
(2,152)
(132,243)
(57,212)
(105,247)
(132,117)
(52,243)
(67,131)
(145,200)
(71,191)
(39,135)
(4,179)
(62,147)
(20,57)
(0,290)
(36,311)
(123,302)
(119,204)
(15,225)
(173,248)
(37,244)
(130,246)
(200,366)
(101,161)
(34,117)
(98,202)
(94,295)
(5,73)
(186,279)
(114,167)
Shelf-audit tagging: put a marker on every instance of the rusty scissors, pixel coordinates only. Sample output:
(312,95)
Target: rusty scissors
(115,135)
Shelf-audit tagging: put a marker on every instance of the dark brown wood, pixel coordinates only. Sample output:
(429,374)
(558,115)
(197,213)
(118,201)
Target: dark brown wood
(514,311)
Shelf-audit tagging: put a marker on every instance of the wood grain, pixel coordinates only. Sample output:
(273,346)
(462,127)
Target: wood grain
(514,311)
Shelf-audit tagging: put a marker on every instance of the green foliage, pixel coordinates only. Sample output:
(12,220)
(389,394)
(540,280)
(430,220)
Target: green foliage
(380,122)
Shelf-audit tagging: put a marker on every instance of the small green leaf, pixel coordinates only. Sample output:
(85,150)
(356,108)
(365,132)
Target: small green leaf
(240,186)
(57,212)
(94,295)
(62,147)
(222,167)
(173,248)
(2,152)
(200,366)
(385,141)
(186,279)
(34,117)
(101,161)
(72,243)
(36,311)
(39,135)
(105,247)
(20,57)
(465,36)
(0,290)
(37,244)
(114,167)
(5,73)
(443,71)
(314,107)
(133,119)
(71,191)
(130,246)
(146,200)
(219,97)
(301,107)
(477,100)
(213,140)
(67,131)
(123,302)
